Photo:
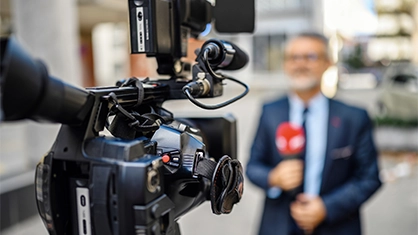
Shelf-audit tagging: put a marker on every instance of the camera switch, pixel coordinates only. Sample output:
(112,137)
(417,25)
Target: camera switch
(83,200)
(165,158)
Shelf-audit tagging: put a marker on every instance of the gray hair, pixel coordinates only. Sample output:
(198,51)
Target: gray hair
(316,36)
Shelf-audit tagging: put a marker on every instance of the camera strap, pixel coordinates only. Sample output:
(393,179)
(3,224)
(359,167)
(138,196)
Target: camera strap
(227,182)
(127,123)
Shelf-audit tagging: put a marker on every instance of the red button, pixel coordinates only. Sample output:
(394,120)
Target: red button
(166,158)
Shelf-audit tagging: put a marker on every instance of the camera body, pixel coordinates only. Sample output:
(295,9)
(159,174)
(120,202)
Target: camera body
(90,183)
(125,188)
(150,168)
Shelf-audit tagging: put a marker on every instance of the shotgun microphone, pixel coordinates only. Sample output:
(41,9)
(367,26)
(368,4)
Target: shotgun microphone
(224,55)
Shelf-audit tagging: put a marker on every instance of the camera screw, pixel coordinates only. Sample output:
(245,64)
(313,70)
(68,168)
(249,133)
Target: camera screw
(153,181)
(178,67)
(201,75)
(138,2)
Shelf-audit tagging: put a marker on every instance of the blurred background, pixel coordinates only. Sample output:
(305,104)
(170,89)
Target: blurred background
(375,50)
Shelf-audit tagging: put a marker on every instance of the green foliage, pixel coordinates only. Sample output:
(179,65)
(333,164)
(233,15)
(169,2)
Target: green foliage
(355,60)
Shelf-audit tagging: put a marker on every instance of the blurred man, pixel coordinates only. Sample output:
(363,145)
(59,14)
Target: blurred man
(338,169)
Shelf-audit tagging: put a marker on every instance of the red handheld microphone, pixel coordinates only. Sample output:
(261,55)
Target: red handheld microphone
(290,140)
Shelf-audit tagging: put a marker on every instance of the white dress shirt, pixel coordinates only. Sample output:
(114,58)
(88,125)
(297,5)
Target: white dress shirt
(317,129)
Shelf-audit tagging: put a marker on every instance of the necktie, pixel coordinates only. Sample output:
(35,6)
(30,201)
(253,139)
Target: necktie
(294,229)
(304,117)
(303,157)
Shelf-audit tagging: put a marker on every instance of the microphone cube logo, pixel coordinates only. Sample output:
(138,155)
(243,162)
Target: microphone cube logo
(290,139)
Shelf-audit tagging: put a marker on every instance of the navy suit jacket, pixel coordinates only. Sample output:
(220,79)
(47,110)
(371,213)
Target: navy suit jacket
(350,175)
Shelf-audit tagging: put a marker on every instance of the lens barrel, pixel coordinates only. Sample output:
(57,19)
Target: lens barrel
(27,91)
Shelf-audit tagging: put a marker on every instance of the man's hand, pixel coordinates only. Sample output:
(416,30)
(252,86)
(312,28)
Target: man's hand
(308,212)
(287,175)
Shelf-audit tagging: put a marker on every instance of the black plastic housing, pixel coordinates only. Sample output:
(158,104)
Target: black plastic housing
(45,97)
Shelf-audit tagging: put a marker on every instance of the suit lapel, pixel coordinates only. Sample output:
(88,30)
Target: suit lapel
(279,115)
(284,111)
(334,129)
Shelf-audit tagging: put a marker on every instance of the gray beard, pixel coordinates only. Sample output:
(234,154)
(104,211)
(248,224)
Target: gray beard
(303,84)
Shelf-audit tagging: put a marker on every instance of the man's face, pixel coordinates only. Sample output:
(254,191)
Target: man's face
(305,62)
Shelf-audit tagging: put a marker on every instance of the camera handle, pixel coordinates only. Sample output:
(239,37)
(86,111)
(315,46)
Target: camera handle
(227,182)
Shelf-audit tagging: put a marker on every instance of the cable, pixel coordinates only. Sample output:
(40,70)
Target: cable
(208,67)
(186,90)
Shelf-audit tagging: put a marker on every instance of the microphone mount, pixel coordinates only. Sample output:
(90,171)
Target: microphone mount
(207,81)
(219,53)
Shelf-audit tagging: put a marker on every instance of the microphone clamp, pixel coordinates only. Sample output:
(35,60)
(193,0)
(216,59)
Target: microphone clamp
(198,88)
(219,53)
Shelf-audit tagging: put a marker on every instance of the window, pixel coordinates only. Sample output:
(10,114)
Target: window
(274,6)
(268,52)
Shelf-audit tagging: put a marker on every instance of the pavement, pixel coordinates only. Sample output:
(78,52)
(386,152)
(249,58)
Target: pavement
(392,210)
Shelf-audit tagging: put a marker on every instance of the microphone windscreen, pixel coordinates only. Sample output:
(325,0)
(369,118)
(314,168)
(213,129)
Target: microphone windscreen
(240,59)
(290,139)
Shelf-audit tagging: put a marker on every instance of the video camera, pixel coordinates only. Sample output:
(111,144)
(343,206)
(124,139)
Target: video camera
(152,168)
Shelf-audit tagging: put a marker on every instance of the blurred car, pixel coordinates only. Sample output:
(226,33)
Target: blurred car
(398,98)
